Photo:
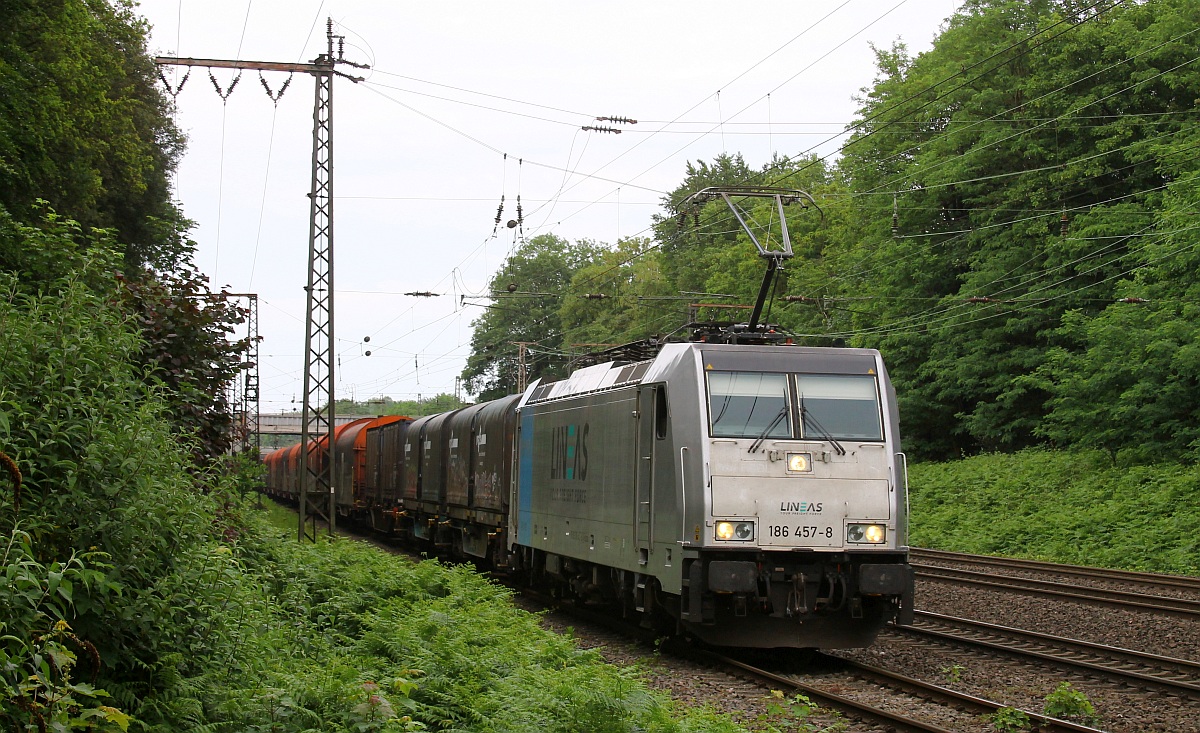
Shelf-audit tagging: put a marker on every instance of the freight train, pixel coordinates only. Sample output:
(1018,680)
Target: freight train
(745,495)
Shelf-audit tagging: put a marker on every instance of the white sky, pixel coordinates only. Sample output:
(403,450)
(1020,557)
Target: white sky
(419,148)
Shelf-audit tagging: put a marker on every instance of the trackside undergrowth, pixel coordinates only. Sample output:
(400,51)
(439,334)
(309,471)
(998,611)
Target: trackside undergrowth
(1070,507)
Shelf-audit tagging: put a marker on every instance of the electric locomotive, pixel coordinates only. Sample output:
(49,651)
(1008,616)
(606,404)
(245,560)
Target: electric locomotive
(753,495)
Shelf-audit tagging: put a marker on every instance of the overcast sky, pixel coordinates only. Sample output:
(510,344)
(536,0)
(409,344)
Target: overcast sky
(466,102)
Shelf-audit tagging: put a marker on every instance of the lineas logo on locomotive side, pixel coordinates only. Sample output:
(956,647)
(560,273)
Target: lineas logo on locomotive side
(800,507)
(569,452)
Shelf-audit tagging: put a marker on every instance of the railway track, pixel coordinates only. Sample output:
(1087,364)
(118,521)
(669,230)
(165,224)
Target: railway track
(1127,600)
(877,696)
(1167,674)
(955,711)
(1170,583)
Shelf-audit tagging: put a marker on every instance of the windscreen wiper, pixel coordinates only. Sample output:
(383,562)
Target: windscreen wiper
(783,411)
(807,419)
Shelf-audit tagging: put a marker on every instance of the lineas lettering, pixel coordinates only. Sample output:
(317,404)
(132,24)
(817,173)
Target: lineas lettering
(569,452)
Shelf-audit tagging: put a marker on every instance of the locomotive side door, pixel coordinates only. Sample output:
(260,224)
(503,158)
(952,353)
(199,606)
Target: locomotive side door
(644,516)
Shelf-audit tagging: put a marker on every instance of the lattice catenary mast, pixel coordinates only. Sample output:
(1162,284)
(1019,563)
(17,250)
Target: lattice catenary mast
(316,484)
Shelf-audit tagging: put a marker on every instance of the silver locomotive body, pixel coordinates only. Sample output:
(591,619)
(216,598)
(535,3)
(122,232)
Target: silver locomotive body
(755,495)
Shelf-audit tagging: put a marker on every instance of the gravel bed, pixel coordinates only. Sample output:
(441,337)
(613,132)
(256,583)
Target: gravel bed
(1170,636)
(994,677)
(688,683)
(694,684)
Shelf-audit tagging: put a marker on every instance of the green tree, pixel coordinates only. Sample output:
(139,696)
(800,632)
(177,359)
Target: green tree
(527,295)
(612,300)
(185,331)
(84,127)
(1130,383)
(1016,167)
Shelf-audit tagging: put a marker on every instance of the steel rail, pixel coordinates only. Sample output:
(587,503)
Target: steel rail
(1179,582)
(1082,594)
(1177,676)
(909,685)
(825,698)
(1043,723)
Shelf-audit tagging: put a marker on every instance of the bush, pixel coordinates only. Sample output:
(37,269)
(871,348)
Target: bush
(1009,720)
(39,652)
(1070,507)
(1068,703)
(106,497)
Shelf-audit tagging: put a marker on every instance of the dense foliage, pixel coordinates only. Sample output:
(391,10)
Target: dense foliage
(186,335)
(86,150)
(114,360)
(1011,223)
(1139,518)
(1034,192)
(84,127)
(363,640)
(107,519)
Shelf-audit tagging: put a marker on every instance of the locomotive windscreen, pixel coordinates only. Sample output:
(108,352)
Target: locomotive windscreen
(761,405)
(749,404)
(845,407)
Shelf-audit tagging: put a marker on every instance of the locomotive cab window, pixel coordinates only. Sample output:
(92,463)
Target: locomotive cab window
(839,406)
(661,414)
(749,405)
(762,405)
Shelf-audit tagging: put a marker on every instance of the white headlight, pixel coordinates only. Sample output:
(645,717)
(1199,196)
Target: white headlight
(740,531)
(870,534)
(724,530)
(800,462)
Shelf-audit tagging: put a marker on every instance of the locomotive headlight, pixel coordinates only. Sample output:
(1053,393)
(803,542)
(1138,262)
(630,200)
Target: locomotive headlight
(801,462)
(740,531)
(871,534)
